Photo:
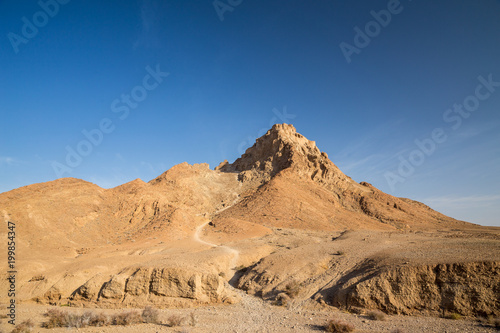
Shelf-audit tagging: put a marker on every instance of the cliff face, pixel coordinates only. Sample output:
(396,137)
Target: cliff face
(161,286)
(469,289)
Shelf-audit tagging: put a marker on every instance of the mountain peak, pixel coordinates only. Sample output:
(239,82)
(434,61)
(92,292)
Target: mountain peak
(283,148)
(286,129)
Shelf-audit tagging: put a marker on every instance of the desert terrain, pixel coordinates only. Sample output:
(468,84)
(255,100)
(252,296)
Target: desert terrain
(278,241)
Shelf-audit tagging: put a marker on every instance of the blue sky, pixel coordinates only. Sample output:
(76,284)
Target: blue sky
(154,83)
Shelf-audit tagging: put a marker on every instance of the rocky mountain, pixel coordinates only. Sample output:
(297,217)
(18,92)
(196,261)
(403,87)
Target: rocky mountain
(283,211)
(296,185)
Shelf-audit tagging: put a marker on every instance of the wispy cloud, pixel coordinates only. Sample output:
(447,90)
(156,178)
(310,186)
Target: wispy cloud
(477,129)
(154,170)
(148,34)
(119,157)
(370,140)
(7,160)
(463,202)
(372,153)
(356,163)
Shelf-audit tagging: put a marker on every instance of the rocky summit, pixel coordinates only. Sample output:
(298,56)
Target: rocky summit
(282,223)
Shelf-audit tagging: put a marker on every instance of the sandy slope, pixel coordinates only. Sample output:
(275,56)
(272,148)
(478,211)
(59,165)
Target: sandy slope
(252,314)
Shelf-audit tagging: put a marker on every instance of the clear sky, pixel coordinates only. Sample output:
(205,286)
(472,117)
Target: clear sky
(402,94)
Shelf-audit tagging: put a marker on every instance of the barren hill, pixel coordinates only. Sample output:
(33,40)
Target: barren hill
(283,211)
(297,186)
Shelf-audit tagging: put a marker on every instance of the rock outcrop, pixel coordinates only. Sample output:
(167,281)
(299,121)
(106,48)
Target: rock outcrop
(158,286)
(469,289)
(283,148)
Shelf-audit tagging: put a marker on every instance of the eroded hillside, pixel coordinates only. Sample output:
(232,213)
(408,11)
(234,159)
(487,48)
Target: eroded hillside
(282,214)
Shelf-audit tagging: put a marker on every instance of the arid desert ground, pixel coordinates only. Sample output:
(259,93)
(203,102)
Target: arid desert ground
(278,241)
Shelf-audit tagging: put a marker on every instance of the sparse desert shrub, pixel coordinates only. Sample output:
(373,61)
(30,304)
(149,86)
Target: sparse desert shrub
(126,318)
(282,299)
(454,316)
(51,312)
(72,320)
(84,319)
(355,310)
(492,321)
(39,277)
(150,315)
(175,320)
(192,319)
(292,289)
(98,320)
(376,315)
(336,326)
(241,268)
(58,318)
(24,327)
(340,253)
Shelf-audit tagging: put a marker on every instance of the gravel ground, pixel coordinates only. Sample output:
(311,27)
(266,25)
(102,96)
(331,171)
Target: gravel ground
(254,315)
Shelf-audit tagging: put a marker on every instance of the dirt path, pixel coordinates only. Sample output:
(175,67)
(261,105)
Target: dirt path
(235,253)
(198,232)
(197,238)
